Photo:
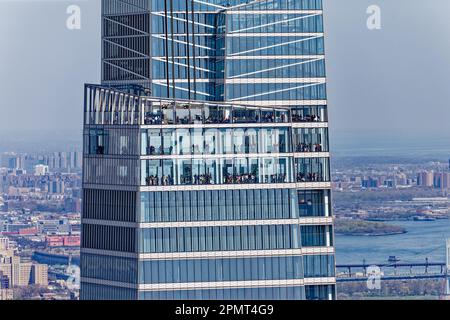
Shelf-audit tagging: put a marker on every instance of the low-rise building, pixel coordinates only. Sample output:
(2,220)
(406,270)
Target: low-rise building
(15,273)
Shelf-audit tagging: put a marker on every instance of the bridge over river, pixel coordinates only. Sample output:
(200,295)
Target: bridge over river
(392,270)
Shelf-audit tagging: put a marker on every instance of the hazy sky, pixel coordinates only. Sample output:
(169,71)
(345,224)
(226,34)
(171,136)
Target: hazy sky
(394,82)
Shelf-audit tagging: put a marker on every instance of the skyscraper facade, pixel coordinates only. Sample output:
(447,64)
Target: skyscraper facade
(206,156)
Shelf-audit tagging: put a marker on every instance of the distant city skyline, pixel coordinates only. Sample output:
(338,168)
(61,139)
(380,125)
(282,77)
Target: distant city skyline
(394,81)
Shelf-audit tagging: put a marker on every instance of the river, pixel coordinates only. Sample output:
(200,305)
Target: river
(423,239)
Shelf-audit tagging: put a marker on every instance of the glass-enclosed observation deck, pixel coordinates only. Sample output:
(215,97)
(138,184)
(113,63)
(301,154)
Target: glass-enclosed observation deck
(108,106)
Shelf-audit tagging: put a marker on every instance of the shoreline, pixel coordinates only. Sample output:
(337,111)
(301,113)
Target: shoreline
(370,234)
(366,228)
(432,219)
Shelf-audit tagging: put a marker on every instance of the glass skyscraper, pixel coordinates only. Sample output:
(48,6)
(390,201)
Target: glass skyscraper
(206,155)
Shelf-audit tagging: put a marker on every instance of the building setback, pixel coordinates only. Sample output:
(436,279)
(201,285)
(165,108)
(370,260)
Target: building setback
(206,168)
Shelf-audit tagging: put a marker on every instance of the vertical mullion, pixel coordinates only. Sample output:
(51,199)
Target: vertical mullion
(172,48)
(188,68)
(193,49)
(166,27)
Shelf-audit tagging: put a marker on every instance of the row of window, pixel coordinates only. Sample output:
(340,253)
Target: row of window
(275,45)
(278,4)
(320,292)
(276,91)
(109,268)
(233,141)
(218,205)
(213,205)
(166,113)
(115,51)
(245,68)
(90,291)
(233,238)
(205,23)
(235,269)
(204,91)
(314,203)
(201,239)
(136,71)
(110,205)
(223,205)
(108,238)
(111,171)
(112,141)
(234,171)
(205,46)
(206,205)
(248,92)
(183,68)
(275,68)
(207,270)
(257,22)
(212,5)
(107,106)
(215,141)
(126,47)
(275,23)
(256,293)
(158,114)
(123,24)
(317,292)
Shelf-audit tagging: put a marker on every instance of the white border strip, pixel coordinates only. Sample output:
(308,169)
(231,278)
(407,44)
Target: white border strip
(223,223)
(214,285)
(213,254)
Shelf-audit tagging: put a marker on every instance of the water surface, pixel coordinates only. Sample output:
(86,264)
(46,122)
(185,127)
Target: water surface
(423,239)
